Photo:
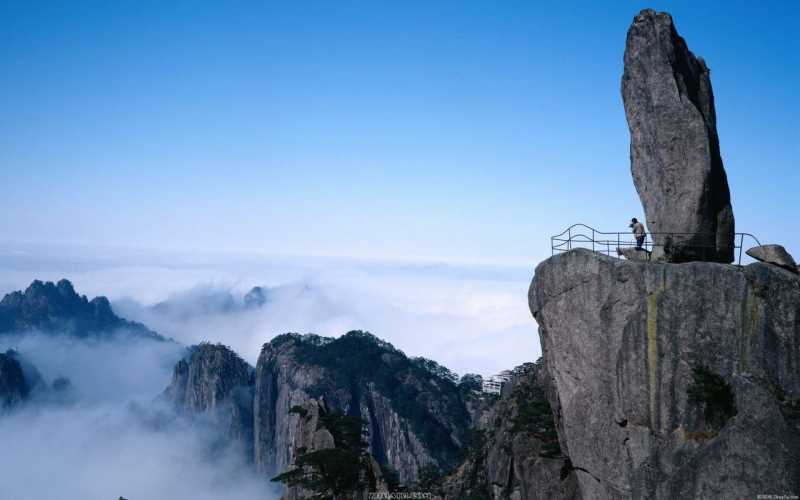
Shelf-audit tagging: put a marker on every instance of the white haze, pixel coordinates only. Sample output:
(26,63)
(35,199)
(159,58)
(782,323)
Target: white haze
(112,438)
(468,317)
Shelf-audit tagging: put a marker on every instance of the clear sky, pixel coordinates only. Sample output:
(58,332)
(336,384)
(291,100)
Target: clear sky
(469,130)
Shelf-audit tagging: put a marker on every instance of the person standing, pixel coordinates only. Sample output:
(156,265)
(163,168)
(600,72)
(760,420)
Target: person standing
(638,232)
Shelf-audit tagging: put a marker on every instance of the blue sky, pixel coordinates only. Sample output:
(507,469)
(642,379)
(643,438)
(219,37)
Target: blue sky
(447,130)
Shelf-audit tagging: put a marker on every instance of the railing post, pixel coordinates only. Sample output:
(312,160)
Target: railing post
(569,239)
(592,239)
(618,243)
(741,246)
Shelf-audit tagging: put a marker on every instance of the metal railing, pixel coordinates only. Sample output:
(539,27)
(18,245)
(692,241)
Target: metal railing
(583,236)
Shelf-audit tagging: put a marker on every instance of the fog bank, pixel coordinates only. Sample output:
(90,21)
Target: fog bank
(109,436)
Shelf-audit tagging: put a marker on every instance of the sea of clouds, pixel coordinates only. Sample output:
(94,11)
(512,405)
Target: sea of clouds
(111,436)
(472,318)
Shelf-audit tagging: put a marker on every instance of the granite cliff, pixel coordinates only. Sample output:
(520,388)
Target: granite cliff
(415,417)
(324,448)
(215,382)
(676,377)
(672,380)
(514,453)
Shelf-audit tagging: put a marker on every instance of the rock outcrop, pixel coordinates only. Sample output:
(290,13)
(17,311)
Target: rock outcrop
(515,452)
(255,298)
(33,377)
(414,417)
(673,380)
(215,383)
(13,387)
(632,253)
(675,154)
(281,382)
(21,381)
(312,434)
(57,309)
(774,254)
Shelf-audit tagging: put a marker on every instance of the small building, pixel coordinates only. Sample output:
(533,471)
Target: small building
(492,385)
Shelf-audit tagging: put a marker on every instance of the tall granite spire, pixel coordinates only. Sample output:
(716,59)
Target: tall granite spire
(675,157)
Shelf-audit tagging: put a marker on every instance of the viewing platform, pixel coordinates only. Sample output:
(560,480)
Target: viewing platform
(614,244)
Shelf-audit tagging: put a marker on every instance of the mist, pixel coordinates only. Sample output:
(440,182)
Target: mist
(469,316)
(468,323)
(110,436)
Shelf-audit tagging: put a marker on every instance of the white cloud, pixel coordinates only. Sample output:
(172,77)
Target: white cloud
(102,451)
(114,438)
(469,317)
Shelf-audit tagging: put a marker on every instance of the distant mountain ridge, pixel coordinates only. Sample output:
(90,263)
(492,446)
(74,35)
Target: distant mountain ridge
(209,301)
(55,308)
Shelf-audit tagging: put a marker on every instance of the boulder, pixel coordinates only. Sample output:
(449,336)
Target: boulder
(672,381)
(632,253)
(675,156)
(774,254)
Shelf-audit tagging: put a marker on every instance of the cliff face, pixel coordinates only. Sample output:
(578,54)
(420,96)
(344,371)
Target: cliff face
(673,380)
(281,382)
(414,417)
(417,419)
(312,434)
(515,452)
(675,154)
(215,382)
(55,308)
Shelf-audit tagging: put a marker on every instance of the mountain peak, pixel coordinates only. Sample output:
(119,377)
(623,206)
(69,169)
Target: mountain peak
(256,297)
(360,374)
(56,308)
(65,287)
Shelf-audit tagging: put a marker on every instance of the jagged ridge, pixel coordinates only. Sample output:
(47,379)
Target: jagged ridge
(55,308)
